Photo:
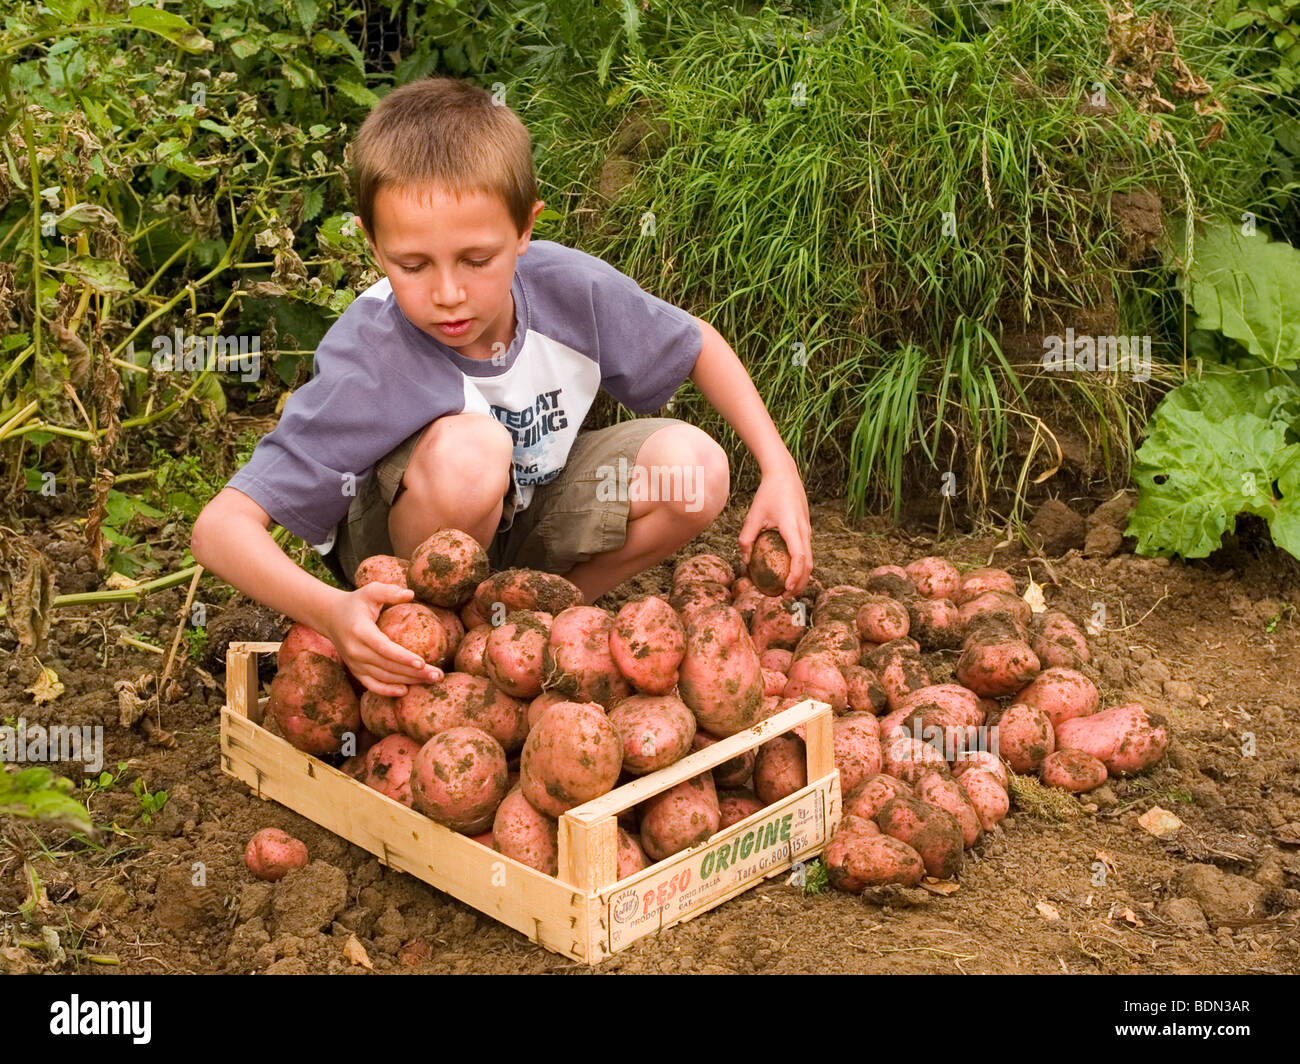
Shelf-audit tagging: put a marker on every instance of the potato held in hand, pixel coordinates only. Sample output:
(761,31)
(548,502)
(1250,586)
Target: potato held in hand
(416,628)
(313,703)
(572,755)
(769,562)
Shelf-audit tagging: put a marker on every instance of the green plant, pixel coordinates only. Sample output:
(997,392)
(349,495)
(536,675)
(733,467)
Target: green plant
(35,793)
(151,803)
(104,781)
(196,643)
(816,879)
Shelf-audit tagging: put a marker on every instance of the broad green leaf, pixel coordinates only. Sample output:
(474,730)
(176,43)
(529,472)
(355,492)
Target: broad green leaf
(307,12)
(103,275)
(172,26)
(356,92)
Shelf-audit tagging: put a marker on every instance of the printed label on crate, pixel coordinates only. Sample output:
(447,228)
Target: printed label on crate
(789,829)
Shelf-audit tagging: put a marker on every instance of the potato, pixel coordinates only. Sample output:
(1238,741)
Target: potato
(655,731)
(987,795)
(984,760)
(524,589)
(1126,739)
(720,678)
(951,696)
(740,585)
(893,723)
(734,806)
(932,832)
(819,678)
(881,618)
(863,690)
(471,618)
(381,569)
(948,794)
(427,709)
(1073,770)
(414,626)
(780,768)
(541,704)
(1023,737)
(778,624)
(694,595)
(934,578)
(769,562)
(577,657)
(773,682)
(300,638)
(513,658)
(523,834)
(868,798)
(857,749)
(978,581)
(776,660)
(749,603)
(458,779)
(856,860)
(948,728)
(908,759)
(631,855)
(997,626)
(483,838)
(313,703)
(704,567)
(572,755)
(1058,642)
(994,602)
(935,623)
(900,670)
(469,655)
(680,817)
(840,603)
(1062,694)
(502,716)
(835,640)
(447,567)
(388,765)
(996,669)
(891,580)
(734,773)
(379,714)
(272,854)
(455,630)
(647,642)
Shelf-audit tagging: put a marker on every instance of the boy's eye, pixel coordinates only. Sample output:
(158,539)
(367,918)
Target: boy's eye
(478,265)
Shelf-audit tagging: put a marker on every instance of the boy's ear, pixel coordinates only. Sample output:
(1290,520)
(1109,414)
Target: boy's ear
(538,207)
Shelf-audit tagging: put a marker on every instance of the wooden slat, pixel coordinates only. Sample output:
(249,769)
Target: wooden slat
(588,853)
(241,678)
(819,742)
(710,757)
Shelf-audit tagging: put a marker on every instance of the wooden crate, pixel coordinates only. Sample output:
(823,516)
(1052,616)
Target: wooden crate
(586,913)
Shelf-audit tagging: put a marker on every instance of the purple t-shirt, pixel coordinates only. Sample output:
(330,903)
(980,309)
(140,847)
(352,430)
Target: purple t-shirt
(582,326)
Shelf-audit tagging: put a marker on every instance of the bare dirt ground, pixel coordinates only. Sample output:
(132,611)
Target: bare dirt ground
(1077,887)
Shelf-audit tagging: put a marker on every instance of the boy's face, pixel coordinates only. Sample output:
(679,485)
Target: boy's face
(451,262)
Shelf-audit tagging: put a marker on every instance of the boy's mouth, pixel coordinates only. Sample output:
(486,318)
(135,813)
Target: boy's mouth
(454,328)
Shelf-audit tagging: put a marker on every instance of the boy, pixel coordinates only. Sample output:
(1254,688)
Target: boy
(460,381)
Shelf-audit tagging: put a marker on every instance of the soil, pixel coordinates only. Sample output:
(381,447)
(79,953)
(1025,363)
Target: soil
(1211,645)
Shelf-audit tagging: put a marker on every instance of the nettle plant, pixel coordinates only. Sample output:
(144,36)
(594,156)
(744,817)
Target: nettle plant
(1227,440)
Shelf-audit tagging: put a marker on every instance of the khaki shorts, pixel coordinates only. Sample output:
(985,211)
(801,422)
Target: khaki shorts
(565,523)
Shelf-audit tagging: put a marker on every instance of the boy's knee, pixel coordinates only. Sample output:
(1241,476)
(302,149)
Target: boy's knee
(464,456)
(695,465)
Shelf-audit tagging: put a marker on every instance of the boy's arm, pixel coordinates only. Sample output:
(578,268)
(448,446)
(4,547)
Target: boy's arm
(780,501)
(231,539)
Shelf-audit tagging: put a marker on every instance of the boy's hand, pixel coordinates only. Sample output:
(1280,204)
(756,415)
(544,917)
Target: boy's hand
(381,665)
(782,503)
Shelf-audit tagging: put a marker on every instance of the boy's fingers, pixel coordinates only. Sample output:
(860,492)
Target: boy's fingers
(387,690)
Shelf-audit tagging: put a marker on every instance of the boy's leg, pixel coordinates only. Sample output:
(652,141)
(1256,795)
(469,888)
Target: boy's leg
(677,489)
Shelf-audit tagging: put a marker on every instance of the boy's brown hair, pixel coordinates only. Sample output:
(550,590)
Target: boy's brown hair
(448,133)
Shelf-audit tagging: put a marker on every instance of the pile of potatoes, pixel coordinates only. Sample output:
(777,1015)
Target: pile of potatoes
(546,703)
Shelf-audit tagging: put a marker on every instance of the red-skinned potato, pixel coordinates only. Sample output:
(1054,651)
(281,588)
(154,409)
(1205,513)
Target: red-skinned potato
(863,690)
(837,641)
(994,602)
(300,638)
(1126,739)
(856,860)
(773,682)
(899,667)
(819,678)
(520,832)
(524,589)
(272,854)
(948,794)
(379,714)
(541,704)
(427,709)
(458,779)
(446,568)
(934,578)
(1059,642)
(454,629)
(689,598)
(749,603)
(1024,737)
(987,795)
(647,643)
(776,660)
(1073,770)
(502,716)
(572,755)
(908,759)
(881,618)
(950,695)
(734,773)
(997,669)
(681,817)
(978,581)
(578,660)
(469,655)
(314,704)
(1062,694)
(935,623)
(470,616)
(704,567)
(780,768)
(740,586)
(413,626)
(983,760)
(655,731)
(388,765)
(381,569)
(932,832)
(720,679)
(769,562)
(857,749)
(840,603)
(631,855)
(513,658)
(734,806)
(778,624)
(868,798)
